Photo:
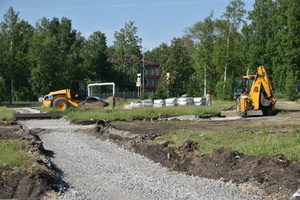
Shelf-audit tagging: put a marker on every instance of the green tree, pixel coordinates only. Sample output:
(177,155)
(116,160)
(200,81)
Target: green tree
(263,24)
(292,50)
(290,87)
(160,93)
(246,60)
(203,35)
(2,89)
(55,55)
(229,33)
(160,54)
(274,39)
(175,67)
(280,46)
(96,66)
(179,66)
(127,51)
(15,37)
(47,70)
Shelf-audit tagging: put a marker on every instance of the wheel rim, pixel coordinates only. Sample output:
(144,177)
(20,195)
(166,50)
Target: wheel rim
(61,106)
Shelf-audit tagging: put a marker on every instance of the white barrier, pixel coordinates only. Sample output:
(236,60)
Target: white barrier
(159,103)
(199,101)
(183,101)
(171,102)
(147,103)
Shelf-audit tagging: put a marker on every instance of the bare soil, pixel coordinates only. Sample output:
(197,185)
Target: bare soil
(39,182)
(272,176)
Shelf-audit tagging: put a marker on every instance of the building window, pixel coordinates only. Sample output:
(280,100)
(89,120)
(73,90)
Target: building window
(156,82)
(151,72)
(151,82)
(146,71)
(146,82)
(157,72)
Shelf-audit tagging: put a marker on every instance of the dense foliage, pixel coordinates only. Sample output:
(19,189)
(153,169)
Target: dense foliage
(36,60)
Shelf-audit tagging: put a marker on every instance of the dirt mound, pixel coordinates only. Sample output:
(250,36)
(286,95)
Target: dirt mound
(117,99)
(12,132)
(40,182)
(268,176)
(19,184)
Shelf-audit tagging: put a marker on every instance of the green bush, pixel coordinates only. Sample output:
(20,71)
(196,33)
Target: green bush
(290,87)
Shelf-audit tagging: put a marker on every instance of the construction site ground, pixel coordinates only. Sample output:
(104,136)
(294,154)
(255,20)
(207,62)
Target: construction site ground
(269,176)
(273,176)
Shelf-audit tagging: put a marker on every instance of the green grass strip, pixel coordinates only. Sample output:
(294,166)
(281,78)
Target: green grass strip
(259,144)
(137,113)
(13,153)
(6,114)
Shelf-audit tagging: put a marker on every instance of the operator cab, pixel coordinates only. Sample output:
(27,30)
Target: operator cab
(247,84)
(242,85)
(78,90)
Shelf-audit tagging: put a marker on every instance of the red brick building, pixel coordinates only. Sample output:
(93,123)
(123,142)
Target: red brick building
(150,75)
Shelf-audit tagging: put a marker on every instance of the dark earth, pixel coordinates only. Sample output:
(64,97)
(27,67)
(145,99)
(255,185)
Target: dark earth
(272,176)
(40,182)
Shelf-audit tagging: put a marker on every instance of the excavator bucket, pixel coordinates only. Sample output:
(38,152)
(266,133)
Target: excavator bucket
(265,102)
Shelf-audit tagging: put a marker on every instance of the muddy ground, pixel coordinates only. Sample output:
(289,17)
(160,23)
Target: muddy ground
(273,176)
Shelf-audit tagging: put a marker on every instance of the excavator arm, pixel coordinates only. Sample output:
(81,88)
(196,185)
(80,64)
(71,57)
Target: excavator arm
(265,81)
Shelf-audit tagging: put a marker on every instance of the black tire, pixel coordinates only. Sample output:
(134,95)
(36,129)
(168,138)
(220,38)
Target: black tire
(244,115)
(61,104)
(265,110)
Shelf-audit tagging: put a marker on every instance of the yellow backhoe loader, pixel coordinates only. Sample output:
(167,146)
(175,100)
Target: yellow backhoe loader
(254,92)
(75,96)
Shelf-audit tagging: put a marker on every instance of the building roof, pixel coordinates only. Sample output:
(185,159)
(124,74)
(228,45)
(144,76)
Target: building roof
(147,62)
(112,60)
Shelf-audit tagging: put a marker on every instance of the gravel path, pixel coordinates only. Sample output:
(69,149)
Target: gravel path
(96,169)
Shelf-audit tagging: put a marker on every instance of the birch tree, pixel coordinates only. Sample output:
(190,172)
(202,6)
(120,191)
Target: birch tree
(203,35)
(234,15)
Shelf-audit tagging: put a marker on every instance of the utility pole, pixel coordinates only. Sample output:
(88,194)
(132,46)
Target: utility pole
(143,73)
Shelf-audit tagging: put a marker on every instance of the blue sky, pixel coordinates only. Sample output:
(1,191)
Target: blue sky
(158,21)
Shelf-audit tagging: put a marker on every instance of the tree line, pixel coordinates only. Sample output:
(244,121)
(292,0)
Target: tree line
(212,52)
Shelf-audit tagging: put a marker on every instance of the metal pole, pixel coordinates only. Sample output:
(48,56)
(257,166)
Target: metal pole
(143,72)
(168,89)
(141,92)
